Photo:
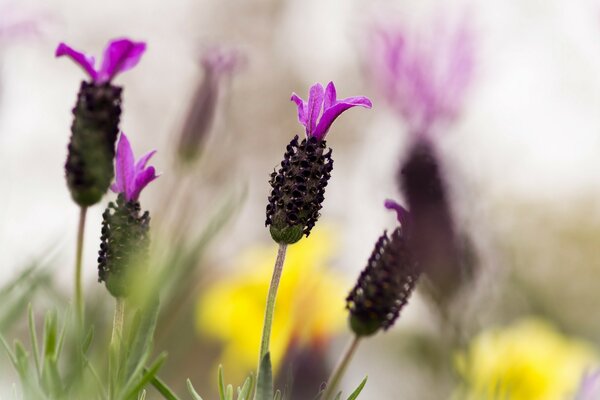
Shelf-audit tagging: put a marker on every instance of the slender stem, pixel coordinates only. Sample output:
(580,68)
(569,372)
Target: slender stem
(117,331)
(79,304)
(340,369)
(270,308)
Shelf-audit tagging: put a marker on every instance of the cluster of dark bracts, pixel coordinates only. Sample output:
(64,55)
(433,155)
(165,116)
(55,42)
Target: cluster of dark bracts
(298,189)
(124,244)
(89,166)
(384,286)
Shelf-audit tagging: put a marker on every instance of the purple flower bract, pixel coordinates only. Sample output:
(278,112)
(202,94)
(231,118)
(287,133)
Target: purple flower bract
(322,108)
(119,56)
(131,177)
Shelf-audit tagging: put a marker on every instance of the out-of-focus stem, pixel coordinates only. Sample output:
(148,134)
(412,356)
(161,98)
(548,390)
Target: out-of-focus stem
(79,304)
(340,369)
(117,331)
(270,308)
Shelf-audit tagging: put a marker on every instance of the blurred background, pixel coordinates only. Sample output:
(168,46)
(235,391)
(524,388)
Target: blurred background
(521,161)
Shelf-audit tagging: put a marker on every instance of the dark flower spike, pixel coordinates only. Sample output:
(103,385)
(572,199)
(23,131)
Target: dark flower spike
(298,186)
(97,113)
(324,104)
(125,229)
(218,63)
(119,56)
(131,177)
(433,239)
(386,283)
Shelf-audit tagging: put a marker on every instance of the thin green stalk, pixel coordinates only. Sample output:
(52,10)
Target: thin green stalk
(340,369)
(270,308)
(79,305)
(117,331)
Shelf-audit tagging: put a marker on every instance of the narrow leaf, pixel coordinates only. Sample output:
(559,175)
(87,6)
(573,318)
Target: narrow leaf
(163,389)
(244,392)
(221,384)
(192,391)
(34,341)
(359,389)
(146,377)
(229,393)
(264,382)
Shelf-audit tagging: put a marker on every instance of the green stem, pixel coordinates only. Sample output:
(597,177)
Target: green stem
(340,369)
(117,331)
(79,304)
(270,308)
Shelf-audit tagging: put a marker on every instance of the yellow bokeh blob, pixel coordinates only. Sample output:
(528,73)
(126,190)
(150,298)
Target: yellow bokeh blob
(529,360)
(309,308)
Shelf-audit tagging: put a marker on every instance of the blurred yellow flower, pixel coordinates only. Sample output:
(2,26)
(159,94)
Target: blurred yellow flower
(529,360)
(309,308)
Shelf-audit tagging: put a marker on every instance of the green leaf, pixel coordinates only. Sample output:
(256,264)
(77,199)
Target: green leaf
(11,355)
(277,395)
(244,392)
(264,382)
(146,377)
(229,393)
(359,389)
(50,335)
(221,384)
(142,395)
(192,391)
(163,389)
(88,340)
(338,396)
(34,341)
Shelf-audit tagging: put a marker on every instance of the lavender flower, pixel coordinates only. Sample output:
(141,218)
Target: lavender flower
(125,241)
(386,283)
(89,165)
(298,187)
(218,64)
(423,78)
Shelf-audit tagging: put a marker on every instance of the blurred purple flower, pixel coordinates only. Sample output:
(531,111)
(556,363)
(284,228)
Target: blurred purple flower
(590,386)
(15,22)
(424,78)
(322,105)
(131,177)
(119,56)
(218,63)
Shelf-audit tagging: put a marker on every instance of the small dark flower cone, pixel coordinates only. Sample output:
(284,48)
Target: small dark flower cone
(384,286)
(124,245)
(432,238)
(298,190)
(89,166)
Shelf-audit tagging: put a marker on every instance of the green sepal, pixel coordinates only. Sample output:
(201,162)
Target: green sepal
(287,234)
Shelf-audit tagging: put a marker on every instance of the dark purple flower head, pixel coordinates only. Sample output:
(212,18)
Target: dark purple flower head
(131,177)
(401,212)
(119,56)
(424,76)
(322,108)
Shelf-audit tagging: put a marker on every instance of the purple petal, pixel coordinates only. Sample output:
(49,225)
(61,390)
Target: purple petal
(330,96)
(330,114)
(315,105)
(119,56)
(124,168)
(142,180)
(85,62)
(141,164)
(302,117)
(401,212)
